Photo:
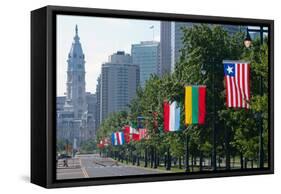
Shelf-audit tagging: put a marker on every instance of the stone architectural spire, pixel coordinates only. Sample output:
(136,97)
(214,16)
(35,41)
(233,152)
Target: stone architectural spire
(75,94)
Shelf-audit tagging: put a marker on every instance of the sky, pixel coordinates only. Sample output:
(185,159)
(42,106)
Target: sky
(99,37)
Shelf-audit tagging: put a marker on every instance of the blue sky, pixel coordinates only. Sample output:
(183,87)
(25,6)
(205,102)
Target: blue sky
(100,37)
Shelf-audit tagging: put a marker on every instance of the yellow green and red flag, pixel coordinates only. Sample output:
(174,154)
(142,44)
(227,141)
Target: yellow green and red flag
(195,104)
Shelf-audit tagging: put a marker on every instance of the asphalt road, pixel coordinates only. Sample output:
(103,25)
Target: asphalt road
(89,166)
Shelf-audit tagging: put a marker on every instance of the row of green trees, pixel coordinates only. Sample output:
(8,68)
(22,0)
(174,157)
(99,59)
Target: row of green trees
(237,134)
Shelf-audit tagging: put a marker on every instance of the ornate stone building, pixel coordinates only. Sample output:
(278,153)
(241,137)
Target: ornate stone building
(75,119)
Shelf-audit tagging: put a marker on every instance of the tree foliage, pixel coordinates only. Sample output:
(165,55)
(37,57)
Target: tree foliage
(204,49)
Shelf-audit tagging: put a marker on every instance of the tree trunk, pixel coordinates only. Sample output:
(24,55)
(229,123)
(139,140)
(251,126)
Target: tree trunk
(200,161)
(151,158)
(241,161)
(145,157)
(168,160)
(227,149)
(246,163)
(192,163)
(180,167)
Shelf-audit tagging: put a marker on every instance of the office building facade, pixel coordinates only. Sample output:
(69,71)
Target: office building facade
(118,84)
(146,55)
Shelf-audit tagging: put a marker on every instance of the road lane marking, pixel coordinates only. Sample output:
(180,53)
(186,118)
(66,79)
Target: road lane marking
(85,172)
(83,169)
(80,162)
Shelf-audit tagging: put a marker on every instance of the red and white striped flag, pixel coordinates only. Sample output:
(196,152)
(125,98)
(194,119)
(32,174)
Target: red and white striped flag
(143,133)
(131,133)
(237,83)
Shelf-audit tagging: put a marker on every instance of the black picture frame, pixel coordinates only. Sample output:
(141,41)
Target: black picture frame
(43,95)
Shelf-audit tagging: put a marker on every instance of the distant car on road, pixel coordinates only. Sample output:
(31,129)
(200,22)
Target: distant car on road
(63,156)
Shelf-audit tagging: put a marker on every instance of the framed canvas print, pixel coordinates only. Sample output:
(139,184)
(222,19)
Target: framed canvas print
(125,96)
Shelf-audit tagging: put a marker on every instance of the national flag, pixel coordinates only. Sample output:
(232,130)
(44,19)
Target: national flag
(106,141)
(237,83)
(171,116)
(103,143)
(100,144)
(134,132)
(131,133)
(195,104)
(142,133)
(127,135)
(136,136)
(117,138)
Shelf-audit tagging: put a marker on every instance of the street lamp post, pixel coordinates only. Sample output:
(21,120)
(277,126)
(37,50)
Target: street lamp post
(168,165)
(186,153)
(214,152)
(247,43)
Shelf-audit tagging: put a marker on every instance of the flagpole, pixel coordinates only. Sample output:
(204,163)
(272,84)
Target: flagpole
(213,114)
(186,152)
(214,152)
(168,165)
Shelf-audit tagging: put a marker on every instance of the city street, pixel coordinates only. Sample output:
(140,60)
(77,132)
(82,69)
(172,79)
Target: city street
(87,166)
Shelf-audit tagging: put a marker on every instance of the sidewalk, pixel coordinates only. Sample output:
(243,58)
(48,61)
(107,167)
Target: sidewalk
(72,163)
(142,167)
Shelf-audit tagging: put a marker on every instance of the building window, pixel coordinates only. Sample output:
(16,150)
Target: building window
(80,101)
(69,77)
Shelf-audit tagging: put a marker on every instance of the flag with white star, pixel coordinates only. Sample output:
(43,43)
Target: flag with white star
(237,83)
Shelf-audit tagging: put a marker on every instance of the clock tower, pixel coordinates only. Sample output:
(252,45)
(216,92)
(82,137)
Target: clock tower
(75,94)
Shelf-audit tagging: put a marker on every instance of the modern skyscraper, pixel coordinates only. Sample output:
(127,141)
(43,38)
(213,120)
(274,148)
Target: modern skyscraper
(176,40)
(98,107)
(232,29)
(119,82)
(147,56)
(165,47)
(177,35)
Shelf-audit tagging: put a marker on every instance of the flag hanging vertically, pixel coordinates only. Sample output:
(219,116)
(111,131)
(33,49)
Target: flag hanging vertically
(131,133)
(195,104)
(143,133)
(127,134)
(106,141)
(103,143)
(171,116)
(117,138)
(237,83)
(134,133)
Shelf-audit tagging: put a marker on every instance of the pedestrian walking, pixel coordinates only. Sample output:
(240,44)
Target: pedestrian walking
(65,163)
